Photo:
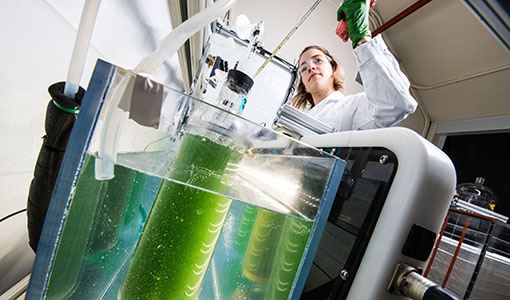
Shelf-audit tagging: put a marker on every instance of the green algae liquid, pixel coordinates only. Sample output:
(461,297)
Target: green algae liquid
(275,251)
(183,226)
(245,227)
(260,258)
(97,235)
(262,246)
(294,238)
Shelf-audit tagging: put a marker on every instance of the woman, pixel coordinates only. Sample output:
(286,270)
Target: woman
(386,99)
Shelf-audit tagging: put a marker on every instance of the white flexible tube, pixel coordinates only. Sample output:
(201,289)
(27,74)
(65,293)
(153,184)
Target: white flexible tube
(81,46)
(107,152)
(174,40)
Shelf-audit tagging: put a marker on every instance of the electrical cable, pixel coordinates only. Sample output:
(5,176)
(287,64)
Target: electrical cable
(12,214)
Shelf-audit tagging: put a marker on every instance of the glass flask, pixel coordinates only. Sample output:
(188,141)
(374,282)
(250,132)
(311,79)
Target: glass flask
(234,91)
(477,193)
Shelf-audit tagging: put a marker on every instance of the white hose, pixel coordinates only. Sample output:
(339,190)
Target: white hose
(107,154)
(81,46)
(174,40)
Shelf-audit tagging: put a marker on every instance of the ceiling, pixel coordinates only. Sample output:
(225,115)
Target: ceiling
(457,68)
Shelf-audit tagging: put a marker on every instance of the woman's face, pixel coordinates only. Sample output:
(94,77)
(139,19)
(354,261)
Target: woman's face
(316,71)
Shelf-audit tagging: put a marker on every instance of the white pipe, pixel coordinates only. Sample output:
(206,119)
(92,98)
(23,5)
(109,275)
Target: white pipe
(463,78)
(107,154)
(174,40)
(81,46)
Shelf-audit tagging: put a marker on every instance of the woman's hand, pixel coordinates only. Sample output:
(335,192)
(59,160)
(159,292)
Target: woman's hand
(364,39)
(356,14)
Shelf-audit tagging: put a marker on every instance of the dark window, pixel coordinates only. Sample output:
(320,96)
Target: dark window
(483,155)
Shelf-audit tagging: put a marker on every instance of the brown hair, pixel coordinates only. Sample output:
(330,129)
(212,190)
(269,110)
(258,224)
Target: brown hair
(302,98)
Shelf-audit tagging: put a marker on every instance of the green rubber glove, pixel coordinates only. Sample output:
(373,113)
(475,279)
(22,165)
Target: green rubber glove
(356,13)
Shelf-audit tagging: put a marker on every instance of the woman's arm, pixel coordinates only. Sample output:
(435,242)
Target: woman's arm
(387,100)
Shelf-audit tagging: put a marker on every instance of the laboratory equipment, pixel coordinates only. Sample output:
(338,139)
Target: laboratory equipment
(224,50)
(476,193)
(392,200)
(391,203)
(297,124)
(472,255)
(184,173)
(234,91)
(268,192)
(303,18)
(81,46)
(408,281)
(184,199)
(59,120)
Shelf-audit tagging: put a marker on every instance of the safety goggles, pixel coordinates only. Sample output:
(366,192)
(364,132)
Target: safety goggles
(316,60)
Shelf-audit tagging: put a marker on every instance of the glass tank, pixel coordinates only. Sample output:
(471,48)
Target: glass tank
(163,196)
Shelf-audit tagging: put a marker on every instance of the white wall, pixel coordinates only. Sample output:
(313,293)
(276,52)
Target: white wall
(37,41)
(36,46)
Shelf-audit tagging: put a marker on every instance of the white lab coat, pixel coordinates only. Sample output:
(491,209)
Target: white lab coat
(385,101)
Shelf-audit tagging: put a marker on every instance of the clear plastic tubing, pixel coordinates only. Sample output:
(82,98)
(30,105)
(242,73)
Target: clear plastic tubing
(150,65)
(174,40)
(81,45)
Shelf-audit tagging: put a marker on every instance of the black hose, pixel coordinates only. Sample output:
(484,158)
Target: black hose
(61,114)
(437,293)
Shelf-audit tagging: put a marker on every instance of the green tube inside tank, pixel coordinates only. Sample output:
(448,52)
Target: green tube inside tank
(267,267)
(65,270)
(96,215)
(288,257)
(262,246)
(183,226)
(110,211)
(245,228)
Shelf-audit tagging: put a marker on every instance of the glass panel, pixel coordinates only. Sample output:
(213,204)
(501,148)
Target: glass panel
(469,254)
(493,280)
(357,205)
